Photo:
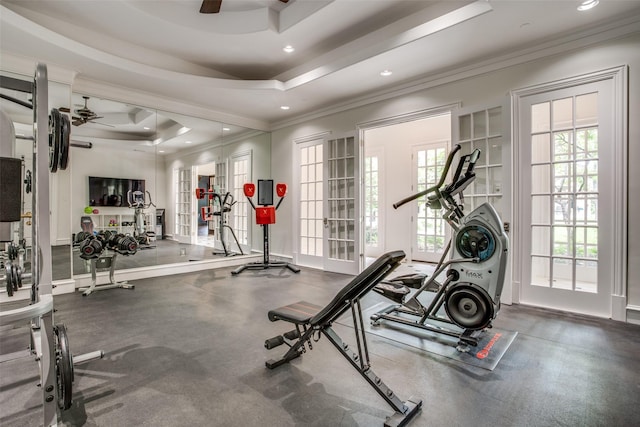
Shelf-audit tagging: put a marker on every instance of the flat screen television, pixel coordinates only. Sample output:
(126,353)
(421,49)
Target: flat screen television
(112,191)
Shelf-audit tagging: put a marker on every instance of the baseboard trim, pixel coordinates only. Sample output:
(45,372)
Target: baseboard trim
(102,278)
(633,314)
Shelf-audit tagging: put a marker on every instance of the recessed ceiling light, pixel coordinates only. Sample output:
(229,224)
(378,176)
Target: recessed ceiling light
(386,73)
(146,128)
(288,48)
(188,142)
(284,107)
(160,151)
(226,129)
(588,4)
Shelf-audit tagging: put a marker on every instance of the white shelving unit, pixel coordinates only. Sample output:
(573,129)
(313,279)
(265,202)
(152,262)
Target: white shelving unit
(120,223)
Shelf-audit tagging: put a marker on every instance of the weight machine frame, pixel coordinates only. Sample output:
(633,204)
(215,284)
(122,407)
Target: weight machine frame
(49,343)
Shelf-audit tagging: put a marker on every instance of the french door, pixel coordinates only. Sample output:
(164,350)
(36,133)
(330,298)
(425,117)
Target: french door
(240,174)
(310,201)
(566,207)
(184,205)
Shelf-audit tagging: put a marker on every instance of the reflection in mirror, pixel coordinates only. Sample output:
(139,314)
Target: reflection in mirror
(15,104)
(139,180)
(114,190)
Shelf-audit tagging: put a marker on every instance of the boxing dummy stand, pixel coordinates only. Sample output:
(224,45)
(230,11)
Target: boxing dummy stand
(265,215)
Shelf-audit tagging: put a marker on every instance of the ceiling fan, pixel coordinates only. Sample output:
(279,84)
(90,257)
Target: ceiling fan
(213,6)
(83,115)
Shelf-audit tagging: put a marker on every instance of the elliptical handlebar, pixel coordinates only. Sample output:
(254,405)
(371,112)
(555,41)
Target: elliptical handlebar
(439,184)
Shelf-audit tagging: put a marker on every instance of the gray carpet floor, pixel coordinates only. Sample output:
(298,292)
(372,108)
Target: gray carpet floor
(187,350)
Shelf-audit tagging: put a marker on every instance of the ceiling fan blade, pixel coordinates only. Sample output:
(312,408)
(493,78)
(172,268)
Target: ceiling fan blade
(284,1)
(210,6)
(64,110)
(77,122)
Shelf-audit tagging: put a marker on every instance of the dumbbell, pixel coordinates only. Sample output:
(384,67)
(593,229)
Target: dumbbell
(9,279)
(105,236)
(81,236)
(125,245)
(91,247)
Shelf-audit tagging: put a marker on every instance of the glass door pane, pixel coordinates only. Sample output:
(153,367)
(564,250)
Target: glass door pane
(311,200)
(431,230)
(240,176)
(341,244)
(567,149)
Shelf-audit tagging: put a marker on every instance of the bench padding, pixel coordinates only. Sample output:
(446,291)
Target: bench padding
(299,313)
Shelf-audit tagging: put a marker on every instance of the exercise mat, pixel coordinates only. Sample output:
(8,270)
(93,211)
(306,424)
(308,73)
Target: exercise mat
(493,344)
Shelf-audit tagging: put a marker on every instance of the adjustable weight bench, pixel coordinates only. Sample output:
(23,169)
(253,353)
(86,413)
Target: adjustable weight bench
(311,320)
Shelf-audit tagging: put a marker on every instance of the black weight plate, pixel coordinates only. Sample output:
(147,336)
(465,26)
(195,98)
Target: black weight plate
(14,277)
(9,279)
(64,142)
(64,367)
(54,140)
(19,276)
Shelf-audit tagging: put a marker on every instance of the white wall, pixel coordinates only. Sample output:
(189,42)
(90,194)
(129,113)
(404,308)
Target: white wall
(478,91)
(105,162)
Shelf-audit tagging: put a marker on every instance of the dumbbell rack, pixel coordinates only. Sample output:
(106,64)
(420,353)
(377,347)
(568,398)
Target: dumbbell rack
(101,263)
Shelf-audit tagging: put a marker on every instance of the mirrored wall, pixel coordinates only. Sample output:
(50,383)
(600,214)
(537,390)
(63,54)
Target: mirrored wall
(133,171)
(138,179)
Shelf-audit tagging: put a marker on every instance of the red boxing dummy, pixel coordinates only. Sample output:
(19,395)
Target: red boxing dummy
(281,189)
(249,189)
(265,215)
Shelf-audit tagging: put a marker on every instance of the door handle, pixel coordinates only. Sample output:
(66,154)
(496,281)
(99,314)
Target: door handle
(325,221)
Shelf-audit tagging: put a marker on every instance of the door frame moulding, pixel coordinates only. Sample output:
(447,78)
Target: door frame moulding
(407,117)
(361,129)
(620,89)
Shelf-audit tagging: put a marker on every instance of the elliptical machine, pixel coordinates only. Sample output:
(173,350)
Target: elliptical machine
(475,271)
(207,213)
(136,200)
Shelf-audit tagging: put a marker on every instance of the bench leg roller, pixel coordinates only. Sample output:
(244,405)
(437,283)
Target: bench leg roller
(273,342)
